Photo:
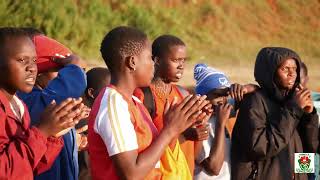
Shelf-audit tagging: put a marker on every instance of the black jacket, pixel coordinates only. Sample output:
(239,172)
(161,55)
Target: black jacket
(270,128)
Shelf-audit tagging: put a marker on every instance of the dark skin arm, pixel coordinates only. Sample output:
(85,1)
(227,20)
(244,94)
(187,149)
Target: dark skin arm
(131,165)
(214,162)
(197,148)
(237,91)
(70,59)
(251,88)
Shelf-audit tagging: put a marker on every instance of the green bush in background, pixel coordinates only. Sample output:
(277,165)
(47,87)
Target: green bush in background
(224,32)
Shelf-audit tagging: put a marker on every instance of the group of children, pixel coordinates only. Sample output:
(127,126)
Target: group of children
(132,121)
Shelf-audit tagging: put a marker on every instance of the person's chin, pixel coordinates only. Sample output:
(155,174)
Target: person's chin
(145,84)
(27,89)
(175,79)
(289,87)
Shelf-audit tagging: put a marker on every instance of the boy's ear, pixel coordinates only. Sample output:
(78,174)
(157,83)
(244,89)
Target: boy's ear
(90,92)
(131,63)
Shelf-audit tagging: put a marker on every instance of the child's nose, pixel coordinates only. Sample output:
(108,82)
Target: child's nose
(292,73)
(181,66)
(32,67)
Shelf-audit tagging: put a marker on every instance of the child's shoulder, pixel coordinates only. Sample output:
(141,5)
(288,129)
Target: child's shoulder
(112,94)
(109,98)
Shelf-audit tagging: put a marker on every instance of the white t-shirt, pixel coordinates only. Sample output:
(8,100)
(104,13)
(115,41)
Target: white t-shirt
(225,172)
(20,107)
(113,123)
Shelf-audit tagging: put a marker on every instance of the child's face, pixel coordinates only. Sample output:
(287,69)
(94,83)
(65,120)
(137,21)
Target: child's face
(171,66)
(103,84)
(18,66)
(218,96)
(145,66)
(286,74)
(43,79)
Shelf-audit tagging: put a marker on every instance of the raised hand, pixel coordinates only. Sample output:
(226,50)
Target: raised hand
(82,140)
(237,91)
(223,113)
(84,112)
(178,117)
(198,133)
(302,98)
(69,59)
(57,120)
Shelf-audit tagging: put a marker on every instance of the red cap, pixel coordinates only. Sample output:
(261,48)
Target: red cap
(46,49)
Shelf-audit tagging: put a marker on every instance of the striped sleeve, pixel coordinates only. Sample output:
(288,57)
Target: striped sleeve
(113,124)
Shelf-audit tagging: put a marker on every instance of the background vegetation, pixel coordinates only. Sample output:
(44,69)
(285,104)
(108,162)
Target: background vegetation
(224,33)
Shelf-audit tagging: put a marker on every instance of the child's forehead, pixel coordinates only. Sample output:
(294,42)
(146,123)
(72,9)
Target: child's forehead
(176,48)
(288,61)
(16,45)
(175,51)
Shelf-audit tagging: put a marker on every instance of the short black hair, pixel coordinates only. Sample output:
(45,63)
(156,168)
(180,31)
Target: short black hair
(32,31)
(162,44)
(96,76)
(121,42)
(9,32)
(304,69)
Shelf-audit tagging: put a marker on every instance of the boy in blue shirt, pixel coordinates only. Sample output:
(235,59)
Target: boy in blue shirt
(58,79)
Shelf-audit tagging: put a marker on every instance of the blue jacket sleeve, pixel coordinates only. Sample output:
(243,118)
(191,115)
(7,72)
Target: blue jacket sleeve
(70,82)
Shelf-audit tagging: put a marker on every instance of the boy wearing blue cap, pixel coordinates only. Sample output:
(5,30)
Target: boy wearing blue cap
(213,83)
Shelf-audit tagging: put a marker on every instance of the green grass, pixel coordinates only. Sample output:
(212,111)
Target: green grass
(224,33)
(229,30)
